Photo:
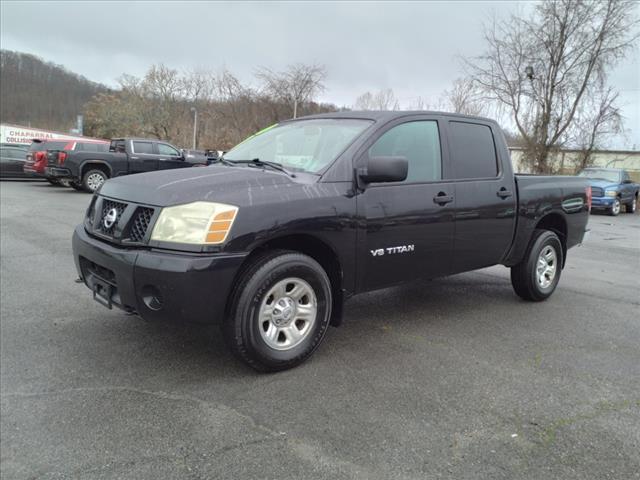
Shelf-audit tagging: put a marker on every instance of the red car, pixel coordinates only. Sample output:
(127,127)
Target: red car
(37,154)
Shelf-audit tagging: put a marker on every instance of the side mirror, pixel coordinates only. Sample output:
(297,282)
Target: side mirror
(384,169)
(628,180)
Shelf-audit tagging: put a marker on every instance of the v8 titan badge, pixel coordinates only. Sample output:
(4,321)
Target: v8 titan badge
(379,252)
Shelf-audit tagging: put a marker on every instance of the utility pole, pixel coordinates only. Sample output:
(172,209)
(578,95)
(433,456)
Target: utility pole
(195,125)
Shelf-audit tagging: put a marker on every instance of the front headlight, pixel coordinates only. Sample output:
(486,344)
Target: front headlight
(611,193)
(201,223)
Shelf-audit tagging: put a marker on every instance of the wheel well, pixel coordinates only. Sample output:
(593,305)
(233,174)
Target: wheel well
(316,249)
(557,224)
(95,166)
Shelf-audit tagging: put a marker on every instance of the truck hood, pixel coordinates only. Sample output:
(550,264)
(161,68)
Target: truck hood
(594,182)
(238,186)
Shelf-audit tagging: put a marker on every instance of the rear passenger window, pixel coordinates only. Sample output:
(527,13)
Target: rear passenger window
(473,152)
(143,147)
(419,143)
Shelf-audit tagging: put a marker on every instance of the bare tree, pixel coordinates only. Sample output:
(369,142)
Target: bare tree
(598,119)
(381,100)
(298,84)
(539,68)
(463,97)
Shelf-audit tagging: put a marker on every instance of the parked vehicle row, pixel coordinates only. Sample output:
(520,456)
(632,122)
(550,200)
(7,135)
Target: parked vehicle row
(86,164)
(611,189)
(88,170)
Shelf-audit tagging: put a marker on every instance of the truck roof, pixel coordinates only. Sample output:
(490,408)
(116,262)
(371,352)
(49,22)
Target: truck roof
(386,115)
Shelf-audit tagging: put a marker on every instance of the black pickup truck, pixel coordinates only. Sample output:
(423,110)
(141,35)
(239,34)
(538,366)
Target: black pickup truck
(88,170)
(273,238)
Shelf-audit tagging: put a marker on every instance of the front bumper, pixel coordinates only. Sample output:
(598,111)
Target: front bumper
(157,284)
(602,202)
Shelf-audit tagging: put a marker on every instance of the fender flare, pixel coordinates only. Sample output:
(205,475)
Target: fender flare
(89,161)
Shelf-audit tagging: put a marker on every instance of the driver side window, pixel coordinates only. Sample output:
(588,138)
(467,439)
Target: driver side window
(164,149)
(419,143)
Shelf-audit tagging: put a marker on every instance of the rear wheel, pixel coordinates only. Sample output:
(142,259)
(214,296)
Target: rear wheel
(535,278)
(92,180)
(280,311)
(631,207)
(615,208)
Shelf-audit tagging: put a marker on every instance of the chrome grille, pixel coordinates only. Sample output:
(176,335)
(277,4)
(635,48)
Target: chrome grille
(107,206)
(597,192)
(140,224)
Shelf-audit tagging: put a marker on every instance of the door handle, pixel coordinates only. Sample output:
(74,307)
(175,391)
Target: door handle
(504,193)
(442,198)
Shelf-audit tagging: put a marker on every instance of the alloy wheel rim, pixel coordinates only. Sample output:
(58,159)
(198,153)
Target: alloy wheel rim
(616,206)
(287,314)
(94,181)
(546,267)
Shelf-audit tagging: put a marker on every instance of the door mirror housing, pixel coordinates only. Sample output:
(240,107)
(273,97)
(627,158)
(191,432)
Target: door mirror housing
(384,169)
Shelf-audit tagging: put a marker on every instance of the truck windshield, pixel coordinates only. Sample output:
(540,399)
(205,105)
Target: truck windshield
(601,174)
(306,145)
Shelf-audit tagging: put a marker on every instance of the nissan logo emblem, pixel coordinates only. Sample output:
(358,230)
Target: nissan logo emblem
(110,218)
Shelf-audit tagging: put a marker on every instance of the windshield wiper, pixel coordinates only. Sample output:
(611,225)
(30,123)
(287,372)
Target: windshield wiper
(223,161)
(264,163)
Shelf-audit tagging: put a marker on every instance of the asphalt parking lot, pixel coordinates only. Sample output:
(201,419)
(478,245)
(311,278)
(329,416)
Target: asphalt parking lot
(450,379)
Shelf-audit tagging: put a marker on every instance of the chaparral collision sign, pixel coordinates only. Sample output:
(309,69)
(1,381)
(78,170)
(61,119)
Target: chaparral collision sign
(24,135)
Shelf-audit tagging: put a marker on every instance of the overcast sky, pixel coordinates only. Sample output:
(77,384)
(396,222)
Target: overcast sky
(410,47)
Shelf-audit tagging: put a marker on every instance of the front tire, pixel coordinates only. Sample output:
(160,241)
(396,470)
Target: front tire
(280,311)
(615,208)
(535,278)
(92,180)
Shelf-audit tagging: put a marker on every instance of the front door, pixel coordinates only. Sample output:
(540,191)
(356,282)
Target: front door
(408,226)
(169,157)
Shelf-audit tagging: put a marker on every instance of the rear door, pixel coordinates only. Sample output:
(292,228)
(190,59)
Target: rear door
(143,157)
(169,157)
(408,231)
(485,209)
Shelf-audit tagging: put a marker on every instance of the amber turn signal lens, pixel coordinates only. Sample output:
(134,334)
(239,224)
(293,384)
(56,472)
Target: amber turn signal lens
(220,226)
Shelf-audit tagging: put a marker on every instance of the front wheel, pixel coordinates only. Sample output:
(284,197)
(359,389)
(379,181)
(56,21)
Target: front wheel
(535,278)
(280,311)
(615,208)
(93,180)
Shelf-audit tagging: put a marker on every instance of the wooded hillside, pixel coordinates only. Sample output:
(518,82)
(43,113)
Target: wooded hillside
(41,94)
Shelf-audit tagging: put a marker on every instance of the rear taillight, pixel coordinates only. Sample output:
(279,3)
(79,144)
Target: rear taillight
(62,156)
(588,192)
(39,156)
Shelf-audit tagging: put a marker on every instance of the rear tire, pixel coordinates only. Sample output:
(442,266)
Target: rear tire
(631,207)
(535,278)
(93,179)
(280,311)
